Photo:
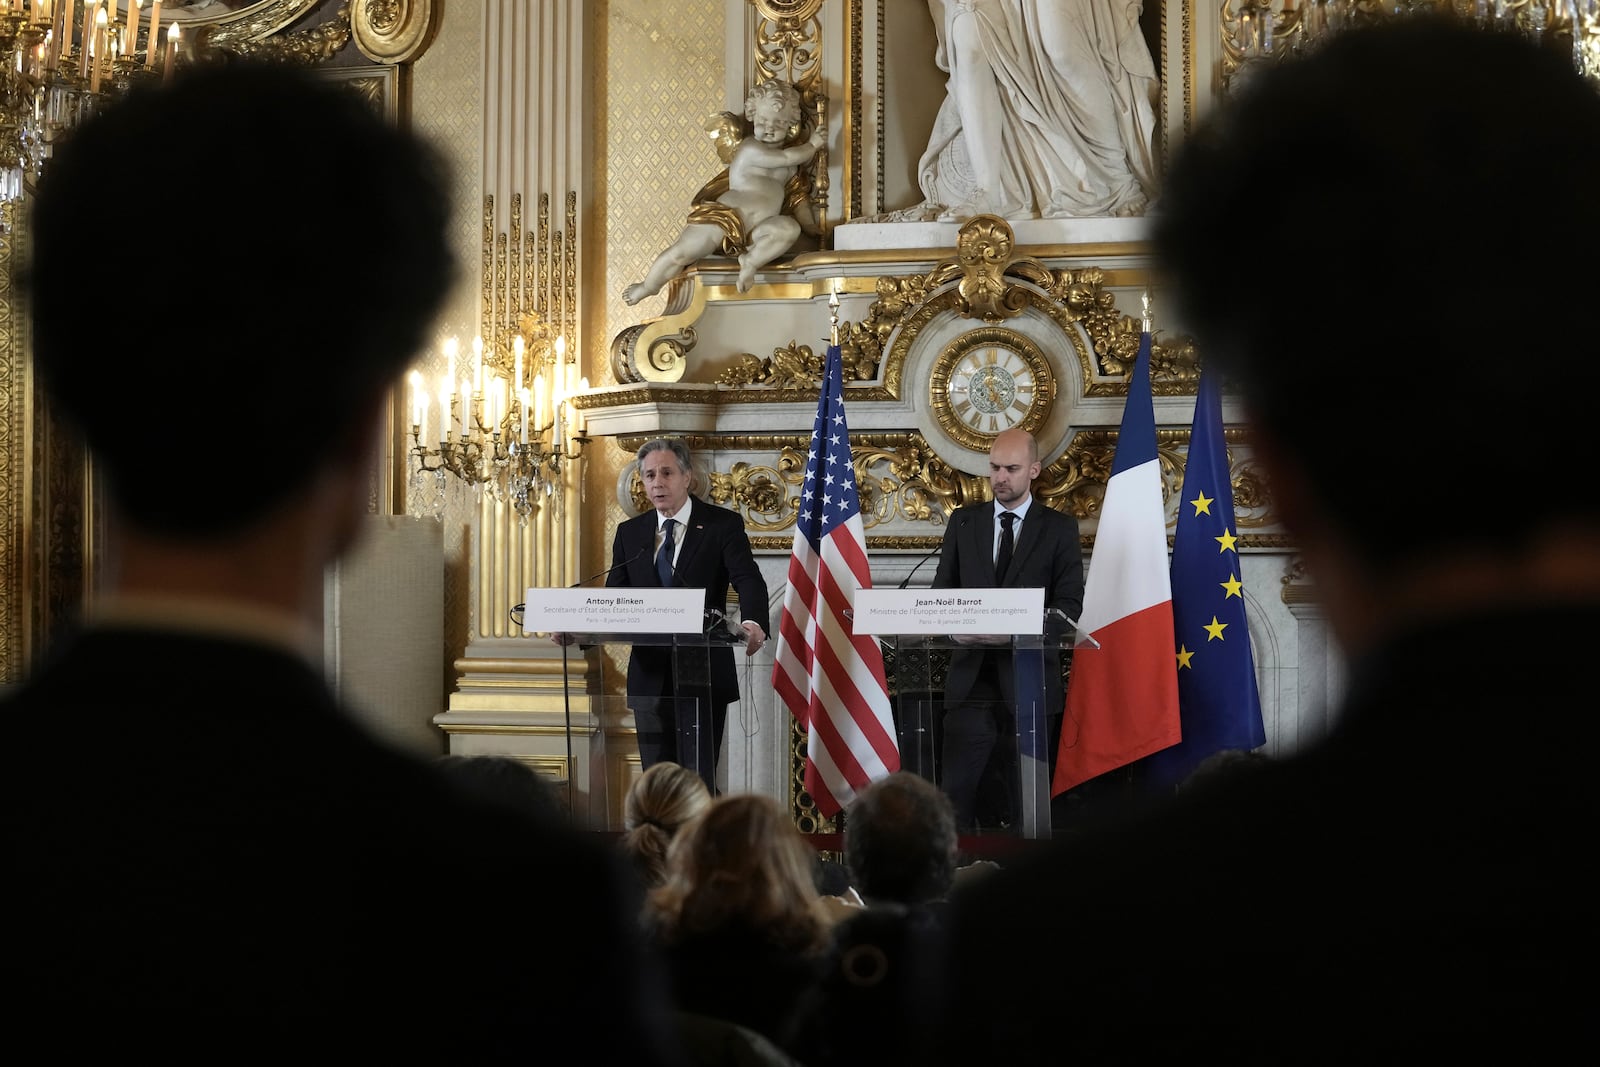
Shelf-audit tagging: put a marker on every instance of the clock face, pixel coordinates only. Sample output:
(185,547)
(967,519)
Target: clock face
(992,389)
(988,382)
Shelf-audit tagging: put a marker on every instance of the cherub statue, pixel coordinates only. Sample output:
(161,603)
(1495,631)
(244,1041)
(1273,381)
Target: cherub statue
(742,212)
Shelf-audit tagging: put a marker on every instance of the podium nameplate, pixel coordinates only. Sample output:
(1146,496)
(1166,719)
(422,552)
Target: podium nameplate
(614,609)
(949,611)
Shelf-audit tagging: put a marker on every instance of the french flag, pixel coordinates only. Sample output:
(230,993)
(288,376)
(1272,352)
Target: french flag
(1122,697)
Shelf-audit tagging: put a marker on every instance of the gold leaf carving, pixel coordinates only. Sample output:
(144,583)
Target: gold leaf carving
(392,31)
(792,366)
(315,44)
(901,479)
(755,493)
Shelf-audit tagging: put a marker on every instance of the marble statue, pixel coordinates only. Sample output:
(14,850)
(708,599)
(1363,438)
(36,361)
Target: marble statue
(745,219)
(1049,111)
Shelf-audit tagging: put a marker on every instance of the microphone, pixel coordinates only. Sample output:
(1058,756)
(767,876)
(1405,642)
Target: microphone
(713,619)
(609,571)
(1058,613)
(933,552)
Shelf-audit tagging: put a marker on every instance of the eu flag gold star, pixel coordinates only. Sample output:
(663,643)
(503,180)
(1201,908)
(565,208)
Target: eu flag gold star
(1233,585)
(1215,629)
(1184,656)
(1202,504)
(1226,541)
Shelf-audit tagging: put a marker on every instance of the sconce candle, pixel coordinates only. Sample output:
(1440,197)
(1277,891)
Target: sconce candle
(522,406)
(130,33)
(418,400)
(444,412)
(538,403)
(172,52)
(60,29)
(155,33)
(580,420)
(100,46)
(85,39)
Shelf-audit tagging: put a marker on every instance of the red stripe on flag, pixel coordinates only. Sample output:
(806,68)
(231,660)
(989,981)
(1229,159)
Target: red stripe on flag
(1120,698)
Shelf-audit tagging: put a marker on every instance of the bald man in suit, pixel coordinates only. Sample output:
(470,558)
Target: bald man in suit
(980,719)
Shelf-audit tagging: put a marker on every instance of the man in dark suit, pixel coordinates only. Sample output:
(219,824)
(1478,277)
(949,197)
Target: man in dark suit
(685,542)
(1011,542)
(1414,887)
(206,857)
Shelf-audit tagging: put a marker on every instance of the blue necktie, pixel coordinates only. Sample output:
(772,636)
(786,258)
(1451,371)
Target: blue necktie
(664,556)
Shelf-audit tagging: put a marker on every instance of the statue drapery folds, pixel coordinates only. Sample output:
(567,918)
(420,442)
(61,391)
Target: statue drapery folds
(1049,111)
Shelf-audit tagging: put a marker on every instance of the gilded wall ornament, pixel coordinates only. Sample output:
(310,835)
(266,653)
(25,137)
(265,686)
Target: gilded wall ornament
(791,366)
(258,34)
(392,31)
(795,366)
(901,480)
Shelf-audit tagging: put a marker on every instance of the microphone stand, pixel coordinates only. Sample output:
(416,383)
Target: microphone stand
(566,678)
(907,579)
(566,699)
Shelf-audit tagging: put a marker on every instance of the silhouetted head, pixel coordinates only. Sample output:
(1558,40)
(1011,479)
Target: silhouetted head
(216,363)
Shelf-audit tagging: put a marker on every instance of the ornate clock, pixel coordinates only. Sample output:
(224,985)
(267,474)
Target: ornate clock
(989,380)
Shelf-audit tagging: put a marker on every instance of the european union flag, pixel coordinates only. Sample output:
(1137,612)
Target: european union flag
(1218,701)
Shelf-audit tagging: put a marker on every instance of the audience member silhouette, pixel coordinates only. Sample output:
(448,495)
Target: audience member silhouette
(900,841)
(1222,766)
(207,856)
(901,851)
(660,802)
(1408,888)
(738,919)
(506,780)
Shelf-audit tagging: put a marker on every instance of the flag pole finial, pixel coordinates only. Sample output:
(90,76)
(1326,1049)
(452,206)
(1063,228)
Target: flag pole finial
(833,314)
(1145,301)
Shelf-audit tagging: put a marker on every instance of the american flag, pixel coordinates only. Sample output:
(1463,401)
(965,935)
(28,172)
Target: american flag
(830,678)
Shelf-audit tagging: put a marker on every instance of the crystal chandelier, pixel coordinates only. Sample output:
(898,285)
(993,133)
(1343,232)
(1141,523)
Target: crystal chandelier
(505,424)
(1257,31)
(60,62)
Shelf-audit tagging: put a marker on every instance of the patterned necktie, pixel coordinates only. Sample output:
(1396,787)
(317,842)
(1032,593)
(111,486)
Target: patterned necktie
(664,556)
(1003,560)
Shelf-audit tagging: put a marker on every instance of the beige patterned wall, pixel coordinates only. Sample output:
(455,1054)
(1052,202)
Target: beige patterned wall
(447,106)
(659,73)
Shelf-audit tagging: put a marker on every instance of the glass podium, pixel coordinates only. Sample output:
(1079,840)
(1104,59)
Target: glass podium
(680,649)
(609,728)
(918,677)
(1002,652)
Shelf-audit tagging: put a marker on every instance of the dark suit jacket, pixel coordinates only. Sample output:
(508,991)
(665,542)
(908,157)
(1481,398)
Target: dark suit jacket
(199,842)
(1047,553)
(715,554)
(1418,887)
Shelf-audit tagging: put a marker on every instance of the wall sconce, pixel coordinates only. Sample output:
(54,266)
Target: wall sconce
(506,424)
(60,62)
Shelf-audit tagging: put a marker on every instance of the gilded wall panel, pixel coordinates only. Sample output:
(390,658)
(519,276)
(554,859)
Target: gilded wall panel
(447,102)
(13,415)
